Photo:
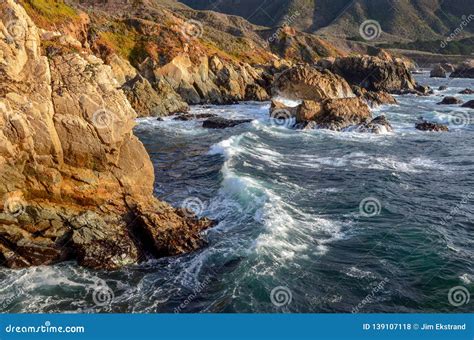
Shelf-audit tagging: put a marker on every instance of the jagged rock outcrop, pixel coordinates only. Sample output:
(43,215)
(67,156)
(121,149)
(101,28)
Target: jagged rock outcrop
(424,125)
(438,72)
(372,98)
(333,114)
(304,82)
(374,74)
(75,183)
(378,125)
(464,70)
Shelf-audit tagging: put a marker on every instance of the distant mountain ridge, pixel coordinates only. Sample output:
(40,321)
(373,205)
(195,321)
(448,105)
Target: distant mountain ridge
(406,20)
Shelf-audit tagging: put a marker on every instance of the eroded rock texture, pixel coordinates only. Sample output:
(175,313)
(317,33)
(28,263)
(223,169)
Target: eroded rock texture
(75,183)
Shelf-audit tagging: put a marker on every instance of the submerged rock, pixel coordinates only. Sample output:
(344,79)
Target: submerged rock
(469,104)
(223,123)
(442,88)
(450,101)
(467,91)
(76,184)
(424,125)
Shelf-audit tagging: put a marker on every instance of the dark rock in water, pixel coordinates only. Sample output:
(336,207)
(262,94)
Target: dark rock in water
(469,104)
(467,91)
(377,125)
(419,90)
(222,123)
(190,116)
(372,98)
(160,119)
(307,125)
(450,101)
(448,67)
(465,70)
(424,125)
(438,72)
(442,88)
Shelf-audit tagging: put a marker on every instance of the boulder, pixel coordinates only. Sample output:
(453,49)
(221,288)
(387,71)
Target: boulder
(374,74)
(464,70)
(223,123)
(75,183)
(334,114)
(374,99)
(378,125)
(442,88)
(304,82)
(193,116)
(469,104)
(467,91)
(438,72)
(448,67)
(424,125)
(450,101)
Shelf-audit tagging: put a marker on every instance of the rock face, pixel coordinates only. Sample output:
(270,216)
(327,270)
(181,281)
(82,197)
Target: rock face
(334,114)
(374,74)
(75,183)
(465,70)
(374,99)
(438,72)
(450,101)
(308,83)
(424,125)
(469,104)
(208,80)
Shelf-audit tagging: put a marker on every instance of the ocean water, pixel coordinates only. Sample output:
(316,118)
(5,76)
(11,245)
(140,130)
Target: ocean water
(309,221)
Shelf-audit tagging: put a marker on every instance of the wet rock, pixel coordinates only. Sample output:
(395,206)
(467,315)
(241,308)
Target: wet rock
(334,114)
(194,116)
(450,101)
(469,104)
(223,123)
(467,91)
(448,67)
(438,72)
(442,88)
(424,125)
(378,125)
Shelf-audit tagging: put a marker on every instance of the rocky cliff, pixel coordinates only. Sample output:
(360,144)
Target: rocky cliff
(75,183)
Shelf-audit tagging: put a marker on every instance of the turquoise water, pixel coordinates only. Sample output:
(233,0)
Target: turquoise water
(309,221)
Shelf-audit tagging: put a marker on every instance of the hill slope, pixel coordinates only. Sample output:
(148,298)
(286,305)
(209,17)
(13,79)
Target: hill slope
(400,19)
